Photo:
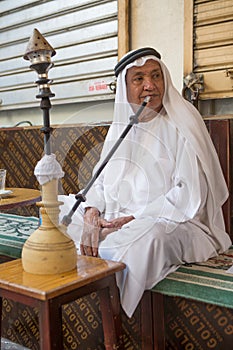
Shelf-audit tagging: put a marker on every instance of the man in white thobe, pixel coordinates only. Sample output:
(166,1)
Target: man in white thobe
(158,202)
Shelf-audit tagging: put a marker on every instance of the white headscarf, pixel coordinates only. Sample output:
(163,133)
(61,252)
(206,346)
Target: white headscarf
(190,124)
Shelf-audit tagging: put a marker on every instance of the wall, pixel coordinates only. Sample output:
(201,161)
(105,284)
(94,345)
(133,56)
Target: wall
(157,23)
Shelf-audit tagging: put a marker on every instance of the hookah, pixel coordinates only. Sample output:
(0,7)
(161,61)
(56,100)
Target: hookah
(48,250)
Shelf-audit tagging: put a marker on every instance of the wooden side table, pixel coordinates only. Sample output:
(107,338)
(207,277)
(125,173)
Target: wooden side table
(20,197)
(49,292)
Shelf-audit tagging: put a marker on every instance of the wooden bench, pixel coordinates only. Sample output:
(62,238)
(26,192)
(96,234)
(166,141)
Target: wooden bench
(196,282)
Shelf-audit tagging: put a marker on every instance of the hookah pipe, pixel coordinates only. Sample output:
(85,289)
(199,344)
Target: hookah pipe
(80,197)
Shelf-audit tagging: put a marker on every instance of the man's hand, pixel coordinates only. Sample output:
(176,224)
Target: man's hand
(96,228)
(114,225)
(119,222)
(91,230)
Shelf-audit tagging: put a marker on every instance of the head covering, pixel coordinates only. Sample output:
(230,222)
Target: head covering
(132,56)
(188,121)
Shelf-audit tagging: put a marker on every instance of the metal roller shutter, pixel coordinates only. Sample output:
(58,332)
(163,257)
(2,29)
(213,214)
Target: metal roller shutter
(84,34)
(213,47)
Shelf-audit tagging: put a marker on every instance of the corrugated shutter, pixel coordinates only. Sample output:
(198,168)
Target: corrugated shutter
(84,34)
(213,47)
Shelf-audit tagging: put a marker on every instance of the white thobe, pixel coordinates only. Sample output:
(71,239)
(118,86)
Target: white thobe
(158,179)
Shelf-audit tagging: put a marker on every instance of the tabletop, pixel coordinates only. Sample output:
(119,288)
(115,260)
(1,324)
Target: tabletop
(20,197)
(44,287)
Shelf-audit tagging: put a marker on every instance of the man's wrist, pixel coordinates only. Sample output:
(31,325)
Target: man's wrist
(91,209)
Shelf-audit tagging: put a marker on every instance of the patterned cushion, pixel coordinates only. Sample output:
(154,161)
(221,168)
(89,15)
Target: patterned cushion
(208,282)
(14,231)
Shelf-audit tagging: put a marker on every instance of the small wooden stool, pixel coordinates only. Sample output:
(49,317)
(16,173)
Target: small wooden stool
(49,292)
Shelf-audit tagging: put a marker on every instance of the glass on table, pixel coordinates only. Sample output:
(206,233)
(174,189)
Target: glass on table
(2,180)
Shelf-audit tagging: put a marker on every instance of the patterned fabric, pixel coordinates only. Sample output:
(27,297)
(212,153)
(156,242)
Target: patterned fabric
(206,282)
(14,231)
(77,149)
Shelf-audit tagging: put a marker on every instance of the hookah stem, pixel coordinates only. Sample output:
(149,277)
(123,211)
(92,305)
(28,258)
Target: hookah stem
(47,145)
(134,120)
(80,198)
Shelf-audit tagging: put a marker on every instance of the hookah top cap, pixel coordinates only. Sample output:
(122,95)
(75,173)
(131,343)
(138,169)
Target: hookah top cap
(38,43)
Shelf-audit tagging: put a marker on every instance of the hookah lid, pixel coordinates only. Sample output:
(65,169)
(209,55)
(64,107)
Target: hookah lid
(38,43)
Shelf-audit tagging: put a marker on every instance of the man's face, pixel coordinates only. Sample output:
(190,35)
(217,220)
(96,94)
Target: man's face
(143,81)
